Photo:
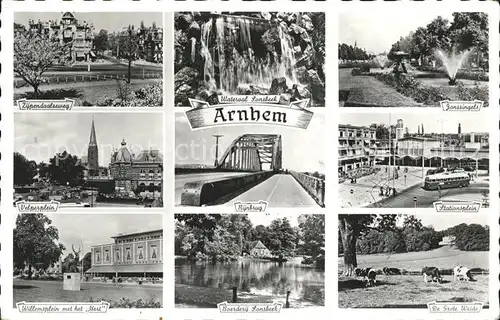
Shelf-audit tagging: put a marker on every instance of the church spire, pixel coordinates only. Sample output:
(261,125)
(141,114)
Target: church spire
(93,139)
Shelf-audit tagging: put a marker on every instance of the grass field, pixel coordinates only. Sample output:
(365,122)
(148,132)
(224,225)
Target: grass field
(400,291)
(52,291)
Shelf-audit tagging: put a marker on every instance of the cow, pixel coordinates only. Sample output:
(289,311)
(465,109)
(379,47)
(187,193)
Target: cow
(432,272)
(369,275)
(461,273)
(391,271)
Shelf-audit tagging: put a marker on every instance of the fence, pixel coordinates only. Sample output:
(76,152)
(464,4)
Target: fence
(314,186)
(19,83)
(444,272)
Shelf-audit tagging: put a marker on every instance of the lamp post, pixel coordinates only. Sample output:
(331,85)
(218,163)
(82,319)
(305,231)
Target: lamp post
(217,136)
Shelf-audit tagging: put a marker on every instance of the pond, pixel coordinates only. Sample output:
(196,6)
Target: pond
(256,277)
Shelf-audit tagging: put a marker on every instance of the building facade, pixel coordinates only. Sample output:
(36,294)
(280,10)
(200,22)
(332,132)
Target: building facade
(78,35)
(357,147)
(258,249)
(151,43)
(136,173)
(135,254)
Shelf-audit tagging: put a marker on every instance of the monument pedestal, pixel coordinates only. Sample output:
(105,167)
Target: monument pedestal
(71,281)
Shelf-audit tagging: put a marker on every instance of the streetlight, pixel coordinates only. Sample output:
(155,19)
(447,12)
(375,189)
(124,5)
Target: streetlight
(217,136)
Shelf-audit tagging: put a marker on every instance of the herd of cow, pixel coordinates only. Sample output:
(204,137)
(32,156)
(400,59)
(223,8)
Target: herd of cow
(369,274)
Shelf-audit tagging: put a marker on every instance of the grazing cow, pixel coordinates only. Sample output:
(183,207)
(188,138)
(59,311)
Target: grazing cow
(432,272)
(391,271)
(368,275)
(362,272)
(461,273)
(370,278)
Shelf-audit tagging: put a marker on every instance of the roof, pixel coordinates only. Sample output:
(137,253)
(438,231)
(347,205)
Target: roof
(149,156)
(355,127)
(137,233)
(132,268)
(418,138)
(123,154)
(448,175)
(257,245)
(68,15)
(93,139)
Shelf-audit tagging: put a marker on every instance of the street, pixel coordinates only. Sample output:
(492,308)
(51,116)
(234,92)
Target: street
(425,198)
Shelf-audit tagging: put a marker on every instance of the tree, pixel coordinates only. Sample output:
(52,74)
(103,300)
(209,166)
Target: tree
(283,239)
(411,222)
(34,54)
(312,232)
(101,42)
(351,226)
(130,49)
(24,170)
(35,243)
(70,264)
(65,169)
(87,261)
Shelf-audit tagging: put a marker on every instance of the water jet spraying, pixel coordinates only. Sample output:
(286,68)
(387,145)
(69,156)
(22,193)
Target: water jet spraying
(452,63)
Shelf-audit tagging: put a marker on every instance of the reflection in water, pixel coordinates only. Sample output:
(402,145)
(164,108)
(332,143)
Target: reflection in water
(255,277)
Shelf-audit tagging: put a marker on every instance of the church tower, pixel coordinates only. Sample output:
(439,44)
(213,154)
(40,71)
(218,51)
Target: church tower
(92,153)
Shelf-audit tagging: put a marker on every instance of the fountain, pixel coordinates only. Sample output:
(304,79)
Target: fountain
(381,60)
(399,56)
(452,63)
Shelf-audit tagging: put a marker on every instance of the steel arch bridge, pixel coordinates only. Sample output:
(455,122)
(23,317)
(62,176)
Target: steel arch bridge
(250,151)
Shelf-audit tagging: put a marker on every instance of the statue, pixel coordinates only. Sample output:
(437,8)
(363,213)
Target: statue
(76,261)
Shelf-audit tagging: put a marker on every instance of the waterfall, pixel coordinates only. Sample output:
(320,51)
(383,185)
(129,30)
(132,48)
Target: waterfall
(230,48)
(193,49)
(208,68)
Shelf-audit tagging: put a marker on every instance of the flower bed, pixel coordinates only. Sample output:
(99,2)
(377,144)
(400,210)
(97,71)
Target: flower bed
(428,95)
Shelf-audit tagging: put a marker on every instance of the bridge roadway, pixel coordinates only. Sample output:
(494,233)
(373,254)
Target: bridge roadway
(280,190)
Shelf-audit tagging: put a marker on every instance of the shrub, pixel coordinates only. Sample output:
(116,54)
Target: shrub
(151,302)
(356,72)
(477,92)
(54,94)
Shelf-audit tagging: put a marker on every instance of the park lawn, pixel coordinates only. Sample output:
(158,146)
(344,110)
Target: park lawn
(368,91)
(52,291)
(443,258)
(410,291)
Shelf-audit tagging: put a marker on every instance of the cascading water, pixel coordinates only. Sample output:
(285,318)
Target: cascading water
(231,46)
(209,69)
(452,62)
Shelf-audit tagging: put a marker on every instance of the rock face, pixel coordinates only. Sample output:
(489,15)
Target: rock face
(278,86)
(185,83)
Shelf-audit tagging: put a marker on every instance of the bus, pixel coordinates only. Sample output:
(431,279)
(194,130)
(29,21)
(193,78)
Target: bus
(447,180)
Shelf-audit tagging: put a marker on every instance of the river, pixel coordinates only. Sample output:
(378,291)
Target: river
(256,277)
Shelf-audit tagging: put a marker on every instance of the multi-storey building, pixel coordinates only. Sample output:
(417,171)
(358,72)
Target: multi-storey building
(78,35)
(357,147)
(151,43)
(136,254)
(127,172)
(136,173)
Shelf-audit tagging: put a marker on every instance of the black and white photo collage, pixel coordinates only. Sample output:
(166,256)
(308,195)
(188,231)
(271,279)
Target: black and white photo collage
(171,161)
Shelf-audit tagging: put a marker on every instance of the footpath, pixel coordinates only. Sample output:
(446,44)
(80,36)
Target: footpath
(366,190)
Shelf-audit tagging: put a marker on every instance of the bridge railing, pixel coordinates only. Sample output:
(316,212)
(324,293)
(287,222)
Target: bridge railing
(314,186)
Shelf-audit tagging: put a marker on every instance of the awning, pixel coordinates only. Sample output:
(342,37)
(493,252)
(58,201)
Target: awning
(134,268)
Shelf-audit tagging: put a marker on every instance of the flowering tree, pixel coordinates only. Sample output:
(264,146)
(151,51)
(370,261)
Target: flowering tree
(34,55)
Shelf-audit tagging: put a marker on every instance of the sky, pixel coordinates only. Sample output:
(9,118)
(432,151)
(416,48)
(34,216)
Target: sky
(376,32)
(445,221)
(97,229)
(303,149)
(469,121)
(39,136)
(111,21)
